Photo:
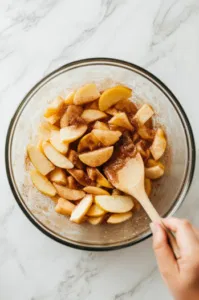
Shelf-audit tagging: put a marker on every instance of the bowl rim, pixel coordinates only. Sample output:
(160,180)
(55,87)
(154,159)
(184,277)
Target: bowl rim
(170,96)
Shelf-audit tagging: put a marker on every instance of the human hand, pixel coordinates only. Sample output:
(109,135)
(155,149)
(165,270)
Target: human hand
(182,275)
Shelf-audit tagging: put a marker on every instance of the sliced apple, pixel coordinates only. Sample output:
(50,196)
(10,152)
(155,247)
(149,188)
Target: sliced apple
(39,146)
(58,159)
(53,119)
(154,172)
(81,209)
(69,99)
(95,190)
(72,116)
(113,95)
(148,186)
(92,105)
(152,163)
(95,211)
(96,175)
(159,144)
(74,158)
(116,128)
(88,142)
(141,147)
(42,183)
(95,220)
(58,176)
(112,111)
(144,114)
(64,207)
(72,133)
(146,133)
(38,159)
(97,157)
(126,106)
(115,204)
(55,107)
(91,115)
(121,120)
(45,129)
(100,125)
(86,93)
(80,176)
(72,183)
(68,194)
(119,218)
(55,140)
(107,137)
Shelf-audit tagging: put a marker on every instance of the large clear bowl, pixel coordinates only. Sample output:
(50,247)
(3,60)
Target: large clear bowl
(168,192)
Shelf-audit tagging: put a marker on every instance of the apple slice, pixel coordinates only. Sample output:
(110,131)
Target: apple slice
(95,211)
(45,129)
(42,183)
(38,159)
(53,119)
(81,209)
(96,175)
(88,142)
(159,144)
(74,158)
(69,99)
(86,93)
(80,176)
(115,204)
(58,159)
(55,107)
(107,137)
(55,140)
(154,172)
(121,120)
(146,133)
(148,186)
(126,106)
(72,183)
(92,105)
(72,116)
(91,115)
(64,207)
(100,125)
(95,190)
(95,220)
(68,194)
(112,111)
(72,133)
(119,218)
(97,157)
(113,95)
(143,114)
(58,176)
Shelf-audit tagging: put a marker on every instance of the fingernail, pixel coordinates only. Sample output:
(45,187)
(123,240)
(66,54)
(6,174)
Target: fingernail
(154,227)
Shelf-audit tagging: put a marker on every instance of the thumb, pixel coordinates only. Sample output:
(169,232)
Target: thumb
(165,258)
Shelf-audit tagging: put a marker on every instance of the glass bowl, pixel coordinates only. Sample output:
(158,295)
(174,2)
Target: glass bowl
(168,192)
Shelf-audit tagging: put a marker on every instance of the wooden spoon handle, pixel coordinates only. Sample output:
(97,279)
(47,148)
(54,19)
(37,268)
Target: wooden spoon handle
(154,216)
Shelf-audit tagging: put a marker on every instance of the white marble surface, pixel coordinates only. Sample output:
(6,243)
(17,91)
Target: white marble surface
(37,36)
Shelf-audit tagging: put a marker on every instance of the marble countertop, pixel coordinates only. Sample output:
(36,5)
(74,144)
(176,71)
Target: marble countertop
(37,37)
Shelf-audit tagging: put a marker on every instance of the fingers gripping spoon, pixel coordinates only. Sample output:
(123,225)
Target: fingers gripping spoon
(130,179)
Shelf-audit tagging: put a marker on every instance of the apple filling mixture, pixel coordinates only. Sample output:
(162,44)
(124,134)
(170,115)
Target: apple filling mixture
(79,137)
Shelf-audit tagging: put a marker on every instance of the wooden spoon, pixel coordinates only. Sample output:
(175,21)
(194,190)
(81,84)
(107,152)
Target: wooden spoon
(130,179)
